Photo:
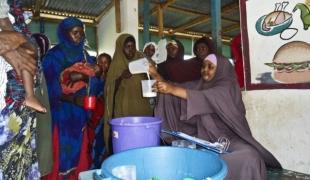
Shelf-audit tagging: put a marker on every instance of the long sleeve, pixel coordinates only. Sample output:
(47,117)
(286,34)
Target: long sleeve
(4,10)
(52,73)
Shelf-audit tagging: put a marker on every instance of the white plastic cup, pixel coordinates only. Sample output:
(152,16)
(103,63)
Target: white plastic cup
(147,88)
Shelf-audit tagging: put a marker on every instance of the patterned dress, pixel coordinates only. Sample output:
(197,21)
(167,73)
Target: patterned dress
(18,157)
(69,121)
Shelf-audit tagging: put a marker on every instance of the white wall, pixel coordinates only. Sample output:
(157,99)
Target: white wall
(280,120)
(106,30)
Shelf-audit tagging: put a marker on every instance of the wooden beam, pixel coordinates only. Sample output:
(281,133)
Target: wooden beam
(154,10)
(36,10)
(168,3)
(162,5)
(188,34)
(192,23)
(230,8)
(202,19)
(118,22)
(185,11)
(231,28)
(160,20)
(191,12)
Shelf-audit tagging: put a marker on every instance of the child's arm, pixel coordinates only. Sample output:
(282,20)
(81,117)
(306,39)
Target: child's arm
(20,57)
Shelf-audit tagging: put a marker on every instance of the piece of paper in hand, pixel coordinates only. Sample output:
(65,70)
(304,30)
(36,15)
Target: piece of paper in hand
(161,54)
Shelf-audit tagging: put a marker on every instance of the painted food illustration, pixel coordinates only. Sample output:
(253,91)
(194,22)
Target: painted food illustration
(304,14)
(291,63)
(274,22)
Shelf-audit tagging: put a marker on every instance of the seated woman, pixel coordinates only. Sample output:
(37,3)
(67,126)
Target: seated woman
(211,108)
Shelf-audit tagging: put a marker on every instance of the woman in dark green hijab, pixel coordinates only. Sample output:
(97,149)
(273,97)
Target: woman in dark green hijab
(123,95)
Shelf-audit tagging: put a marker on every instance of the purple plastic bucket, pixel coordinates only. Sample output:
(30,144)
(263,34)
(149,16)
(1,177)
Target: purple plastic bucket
(135,132)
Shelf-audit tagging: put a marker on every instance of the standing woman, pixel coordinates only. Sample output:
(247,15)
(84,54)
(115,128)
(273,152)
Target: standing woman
(172,68)
(69,118)
(122,89)
(202,48)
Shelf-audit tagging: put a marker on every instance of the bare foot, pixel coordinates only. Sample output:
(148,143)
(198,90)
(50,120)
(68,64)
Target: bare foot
(35,104)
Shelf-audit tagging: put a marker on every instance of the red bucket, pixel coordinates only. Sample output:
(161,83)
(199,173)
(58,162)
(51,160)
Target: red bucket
(89,102)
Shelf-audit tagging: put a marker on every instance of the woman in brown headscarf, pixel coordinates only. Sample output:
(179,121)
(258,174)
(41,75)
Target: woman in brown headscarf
(176,69)
(172,68)
(122,89)
(211,108)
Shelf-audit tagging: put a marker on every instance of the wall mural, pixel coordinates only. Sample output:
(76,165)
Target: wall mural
(276,43)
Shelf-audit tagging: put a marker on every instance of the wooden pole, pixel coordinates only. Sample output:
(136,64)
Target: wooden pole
(216,25)
(118,22)
(160,22)
(146,21)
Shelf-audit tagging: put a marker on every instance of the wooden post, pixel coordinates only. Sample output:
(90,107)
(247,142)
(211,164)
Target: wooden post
(118,22)
(216,25)
(160,22)
(146,21)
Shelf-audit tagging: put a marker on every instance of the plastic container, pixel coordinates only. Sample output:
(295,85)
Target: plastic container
(135,132)
(139,66)
(147,89)
(89,102)
(166,163)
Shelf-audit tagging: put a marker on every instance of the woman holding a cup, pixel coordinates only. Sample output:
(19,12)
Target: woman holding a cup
(69,116)
(122,89)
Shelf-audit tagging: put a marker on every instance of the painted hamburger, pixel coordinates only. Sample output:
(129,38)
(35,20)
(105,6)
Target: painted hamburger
(291,63)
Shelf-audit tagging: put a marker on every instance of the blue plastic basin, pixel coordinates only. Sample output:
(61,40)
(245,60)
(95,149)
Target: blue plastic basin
(167,163)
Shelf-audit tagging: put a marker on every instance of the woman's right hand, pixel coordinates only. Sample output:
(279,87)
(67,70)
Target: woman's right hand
(163,87)
(167,88)
(154,74)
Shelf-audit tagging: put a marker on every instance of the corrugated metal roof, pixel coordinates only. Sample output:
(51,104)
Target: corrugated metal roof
(180,15)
